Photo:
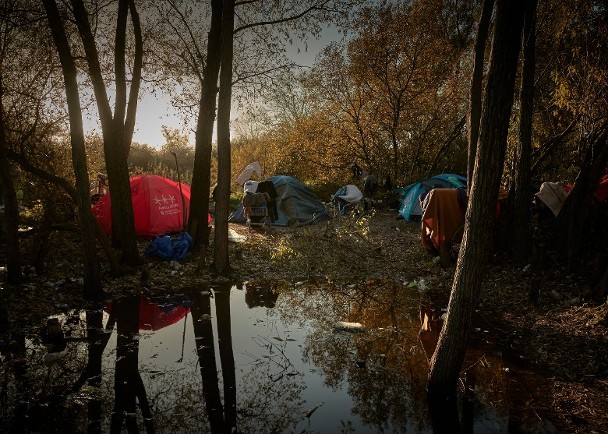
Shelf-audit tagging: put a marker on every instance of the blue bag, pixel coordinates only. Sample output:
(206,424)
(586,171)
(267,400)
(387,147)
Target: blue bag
(170,248)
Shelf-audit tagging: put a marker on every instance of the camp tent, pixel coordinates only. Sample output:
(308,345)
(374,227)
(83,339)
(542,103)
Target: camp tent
(296,203)
(601,193)
(157,206)
(410,204)
(553,194)
(347,195)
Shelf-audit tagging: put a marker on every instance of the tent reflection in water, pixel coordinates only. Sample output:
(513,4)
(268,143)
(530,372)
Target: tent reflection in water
(157,314)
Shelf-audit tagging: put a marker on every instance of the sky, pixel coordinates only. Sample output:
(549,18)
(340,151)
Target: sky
(154,110)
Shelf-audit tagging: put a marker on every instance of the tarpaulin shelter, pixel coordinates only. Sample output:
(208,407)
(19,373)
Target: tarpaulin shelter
(296,203)
(442,223)
(553,194)
(158,208)
(410,204)
(347,195)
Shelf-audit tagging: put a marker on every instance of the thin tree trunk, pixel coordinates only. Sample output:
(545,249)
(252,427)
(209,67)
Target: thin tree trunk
(92,277)
(476,86)
(138,62)
(549,146)
(521,202)
(446,144)
(221,260)
(201,172)
(449,354)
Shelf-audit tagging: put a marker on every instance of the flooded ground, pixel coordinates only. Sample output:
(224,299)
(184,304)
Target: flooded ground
(258,359)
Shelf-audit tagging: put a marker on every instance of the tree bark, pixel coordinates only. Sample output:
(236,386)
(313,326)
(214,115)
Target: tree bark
(92,277)
(221,261)
(116,148)
(522,197)
(449,354)
(573,217)
(201,172)
(476,85)
(14,274)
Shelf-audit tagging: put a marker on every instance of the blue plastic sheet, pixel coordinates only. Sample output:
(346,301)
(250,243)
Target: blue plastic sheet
(170,248)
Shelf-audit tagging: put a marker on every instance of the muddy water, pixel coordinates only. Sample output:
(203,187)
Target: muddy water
(258,359)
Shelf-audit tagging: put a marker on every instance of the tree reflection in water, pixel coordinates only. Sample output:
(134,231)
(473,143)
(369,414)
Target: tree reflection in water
(270,388)
(259,368)
(128,386)
(384,367)
(205,348)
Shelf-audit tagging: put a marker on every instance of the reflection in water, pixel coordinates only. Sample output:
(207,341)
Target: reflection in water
(213,361)
(261,295)
(129,388)
(205,347)
(97,340)
(224,336)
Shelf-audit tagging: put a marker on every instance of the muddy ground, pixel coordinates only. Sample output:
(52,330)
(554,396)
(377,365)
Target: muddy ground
(562,336)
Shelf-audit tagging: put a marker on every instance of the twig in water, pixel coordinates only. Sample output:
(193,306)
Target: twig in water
(312,410)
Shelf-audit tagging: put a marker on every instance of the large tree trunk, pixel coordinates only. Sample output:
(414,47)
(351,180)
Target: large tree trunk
(116,131)
(201,172)
(449,354)
(14,274)
(221,260)
(476,86)
(92,278)
(521,201)
(573,217)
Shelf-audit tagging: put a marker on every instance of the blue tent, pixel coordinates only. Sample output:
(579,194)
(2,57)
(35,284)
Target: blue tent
(410,204)
(296,203)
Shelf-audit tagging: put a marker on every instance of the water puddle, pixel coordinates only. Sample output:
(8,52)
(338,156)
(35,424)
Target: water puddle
(259,358)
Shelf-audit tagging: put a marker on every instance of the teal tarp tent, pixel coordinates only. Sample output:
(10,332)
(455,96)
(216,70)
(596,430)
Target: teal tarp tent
(410,204)
(296,203)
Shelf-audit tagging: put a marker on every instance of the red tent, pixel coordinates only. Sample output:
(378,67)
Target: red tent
(157,206)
